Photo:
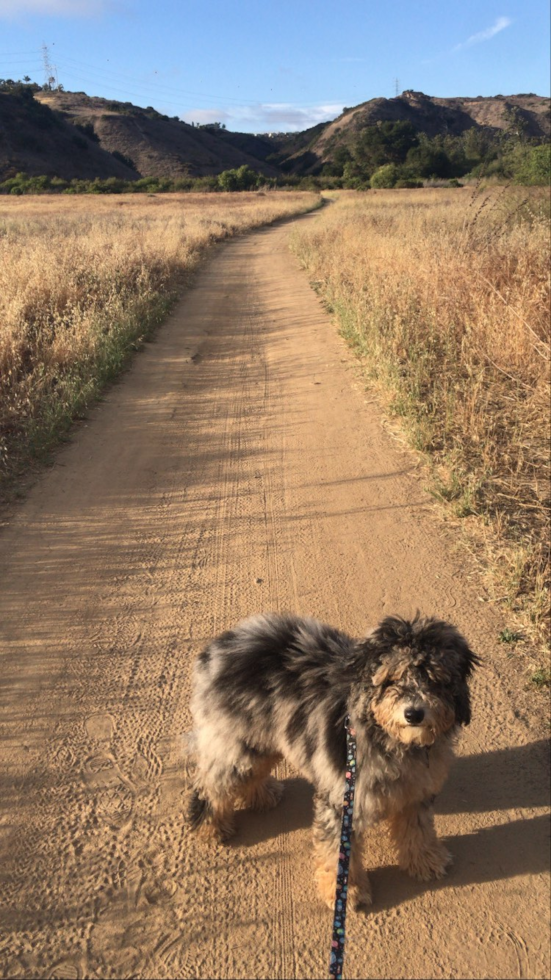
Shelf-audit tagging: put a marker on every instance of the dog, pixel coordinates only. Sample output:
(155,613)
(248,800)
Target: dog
(281,686)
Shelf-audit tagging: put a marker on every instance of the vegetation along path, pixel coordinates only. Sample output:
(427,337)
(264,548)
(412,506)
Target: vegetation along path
(237,467)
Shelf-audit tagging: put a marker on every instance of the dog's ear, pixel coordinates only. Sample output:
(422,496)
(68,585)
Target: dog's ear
(462,705)
(465,662)
(466,659)
(452,645)
(381,676)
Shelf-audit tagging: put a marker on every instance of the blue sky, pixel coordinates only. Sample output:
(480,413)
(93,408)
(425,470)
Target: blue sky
(257,65)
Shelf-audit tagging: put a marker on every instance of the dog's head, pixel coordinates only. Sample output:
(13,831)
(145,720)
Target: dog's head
(419,674)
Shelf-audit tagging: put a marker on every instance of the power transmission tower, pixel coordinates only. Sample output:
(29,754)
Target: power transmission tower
(396,87)
(50,71)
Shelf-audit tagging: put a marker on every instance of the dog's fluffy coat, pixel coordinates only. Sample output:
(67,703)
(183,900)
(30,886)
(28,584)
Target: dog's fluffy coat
(282,686)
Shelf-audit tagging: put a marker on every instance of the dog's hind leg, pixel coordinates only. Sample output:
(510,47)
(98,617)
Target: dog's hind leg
(420,853)
(218,787)
(261,791)
(211,806)
(327,840)
(211,817)
(360,887)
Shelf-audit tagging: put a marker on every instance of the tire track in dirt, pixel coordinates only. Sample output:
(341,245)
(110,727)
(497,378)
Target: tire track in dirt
(237,467)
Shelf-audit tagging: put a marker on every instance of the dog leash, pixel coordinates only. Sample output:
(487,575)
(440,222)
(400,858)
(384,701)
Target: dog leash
(339,918)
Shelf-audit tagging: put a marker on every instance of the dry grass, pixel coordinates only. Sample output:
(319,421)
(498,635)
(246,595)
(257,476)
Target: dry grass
(83,280)
(445,295)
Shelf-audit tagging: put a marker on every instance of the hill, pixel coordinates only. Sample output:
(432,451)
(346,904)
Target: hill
(74,135)
(427,114)
(40,142)
(157,145)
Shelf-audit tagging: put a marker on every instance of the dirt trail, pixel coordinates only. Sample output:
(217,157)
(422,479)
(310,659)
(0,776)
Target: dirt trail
(237,467)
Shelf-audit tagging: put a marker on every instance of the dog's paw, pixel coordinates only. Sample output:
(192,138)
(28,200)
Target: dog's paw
(429,864)
(326,880)
(272,792)
(217,831)
(264,796)
(360,895)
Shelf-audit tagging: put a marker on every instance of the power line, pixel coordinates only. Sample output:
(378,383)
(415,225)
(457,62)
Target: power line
(35,65)
(85,79)
(205,96)
(91,74)
(16,54)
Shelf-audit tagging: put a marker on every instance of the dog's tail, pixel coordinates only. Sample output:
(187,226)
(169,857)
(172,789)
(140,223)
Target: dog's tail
(198,810)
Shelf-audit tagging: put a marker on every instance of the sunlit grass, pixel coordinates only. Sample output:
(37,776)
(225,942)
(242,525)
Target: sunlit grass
(83,281)
(445,296)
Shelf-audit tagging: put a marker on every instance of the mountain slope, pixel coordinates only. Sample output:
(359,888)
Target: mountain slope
(157,145)
(71,134)
(430,115)
(39,142)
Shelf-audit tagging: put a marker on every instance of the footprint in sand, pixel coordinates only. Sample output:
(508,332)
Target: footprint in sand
(114,792)
(100,727)
(66,970)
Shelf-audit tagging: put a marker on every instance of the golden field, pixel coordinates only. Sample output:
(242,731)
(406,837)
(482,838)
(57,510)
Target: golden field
(83,280)
(445,296)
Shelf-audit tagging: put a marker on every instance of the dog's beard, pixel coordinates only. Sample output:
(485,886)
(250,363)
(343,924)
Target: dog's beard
(389,714)
(414,734)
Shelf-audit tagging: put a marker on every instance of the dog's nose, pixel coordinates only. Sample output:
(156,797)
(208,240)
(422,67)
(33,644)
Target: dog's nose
(414,716)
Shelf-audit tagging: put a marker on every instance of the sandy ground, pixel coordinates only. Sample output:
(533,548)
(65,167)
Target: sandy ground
(237,467)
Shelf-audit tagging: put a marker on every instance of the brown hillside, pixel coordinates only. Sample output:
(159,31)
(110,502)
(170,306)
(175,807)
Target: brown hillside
(37,141)
(157,145)
(40,136)
(429,115)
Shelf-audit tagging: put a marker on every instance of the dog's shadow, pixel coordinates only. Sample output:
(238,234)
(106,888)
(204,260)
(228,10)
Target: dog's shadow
(295,812)
(483,788)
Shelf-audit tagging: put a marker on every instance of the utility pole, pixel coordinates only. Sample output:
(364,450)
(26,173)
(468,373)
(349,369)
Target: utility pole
(50,72)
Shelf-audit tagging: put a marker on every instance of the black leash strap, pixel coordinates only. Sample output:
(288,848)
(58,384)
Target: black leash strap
(339,920)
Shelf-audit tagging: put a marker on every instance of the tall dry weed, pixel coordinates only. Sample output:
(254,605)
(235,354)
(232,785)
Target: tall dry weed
(83,281)
(445,294)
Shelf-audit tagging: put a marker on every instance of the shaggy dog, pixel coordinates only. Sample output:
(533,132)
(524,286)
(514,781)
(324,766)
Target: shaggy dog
(282,686)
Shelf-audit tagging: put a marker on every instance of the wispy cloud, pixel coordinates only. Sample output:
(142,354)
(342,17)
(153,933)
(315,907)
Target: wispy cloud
(266,117)
(500,25)
(11,9)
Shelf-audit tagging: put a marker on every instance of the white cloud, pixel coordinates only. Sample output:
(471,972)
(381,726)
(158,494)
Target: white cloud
(266,117)
(204,116)
(500,25)
(51,8)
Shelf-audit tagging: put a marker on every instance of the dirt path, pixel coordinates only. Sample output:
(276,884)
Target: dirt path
(237,467)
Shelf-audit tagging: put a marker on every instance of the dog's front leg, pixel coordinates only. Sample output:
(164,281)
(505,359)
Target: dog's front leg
(420,853)
(327,840)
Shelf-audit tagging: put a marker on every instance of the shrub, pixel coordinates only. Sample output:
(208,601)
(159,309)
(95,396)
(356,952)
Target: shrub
(385,177)
(536,167)
(242,179)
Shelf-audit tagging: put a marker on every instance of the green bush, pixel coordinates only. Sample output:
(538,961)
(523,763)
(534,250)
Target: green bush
(385,176)
(242,179)
(536,167)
